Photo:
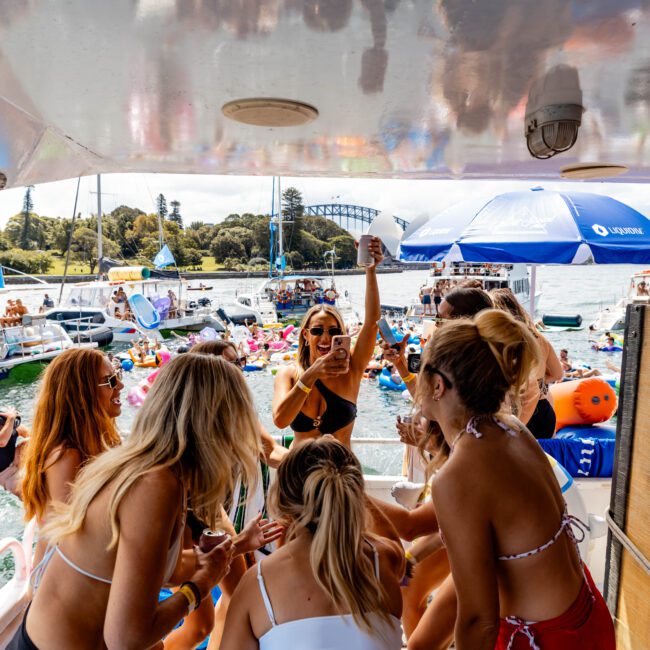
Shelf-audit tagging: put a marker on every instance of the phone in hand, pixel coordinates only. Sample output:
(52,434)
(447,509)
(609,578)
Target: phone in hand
(413,362)
(341,342)
(387,333)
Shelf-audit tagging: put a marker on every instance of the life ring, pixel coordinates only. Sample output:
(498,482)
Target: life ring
(283,296)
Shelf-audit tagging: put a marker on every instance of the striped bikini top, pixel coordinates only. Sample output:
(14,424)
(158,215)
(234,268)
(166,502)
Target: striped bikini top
(567,522)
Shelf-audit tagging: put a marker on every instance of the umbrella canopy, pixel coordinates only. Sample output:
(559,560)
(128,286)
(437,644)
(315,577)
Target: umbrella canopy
(534,227)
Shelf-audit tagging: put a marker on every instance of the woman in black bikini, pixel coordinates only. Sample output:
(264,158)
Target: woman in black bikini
(318,394)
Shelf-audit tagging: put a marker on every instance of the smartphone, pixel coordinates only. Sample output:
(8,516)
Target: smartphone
(341,343)
(413,362)
(387,333)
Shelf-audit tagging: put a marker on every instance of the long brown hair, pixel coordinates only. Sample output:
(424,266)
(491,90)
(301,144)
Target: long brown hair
(504,299)
(198,419)
(303,348)
(320,488)
(68,415)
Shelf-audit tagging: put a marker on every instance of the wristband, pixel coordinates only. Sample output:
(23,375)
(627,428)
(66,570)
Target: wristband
(192,593)
(409,557)
(303,388)
(409,378)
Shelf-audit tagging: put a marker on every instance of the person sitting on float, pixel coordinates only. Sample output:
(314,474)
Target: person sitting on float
(318,393)
(511,544)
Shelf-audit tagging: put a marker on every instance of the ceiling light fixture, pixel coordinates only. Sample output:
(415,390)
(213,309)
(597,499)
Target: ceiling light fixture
(553,112)
(270,112)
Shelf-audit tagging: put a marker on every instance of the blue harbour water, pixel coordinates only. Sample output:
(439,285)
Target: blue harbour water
(566,290)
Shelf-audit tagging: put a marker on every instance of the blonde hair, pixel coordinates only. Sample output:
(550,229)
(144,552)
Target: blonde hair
(68,415)
(303,349)
(198,418)
(320,488)
(485,358)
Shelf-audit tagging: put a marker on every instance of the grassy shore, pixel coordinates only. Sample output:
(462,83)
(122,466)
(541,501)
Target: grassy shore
(76,268)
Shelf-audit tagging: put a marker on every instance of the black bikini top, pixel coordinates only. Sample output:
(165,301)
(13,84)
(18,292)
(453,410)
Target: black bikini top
(339,412)
(8,452)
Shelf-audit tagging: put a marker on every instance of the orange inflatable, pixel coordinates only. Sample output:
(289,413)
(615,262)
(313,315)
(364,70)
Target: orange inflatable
(583,401)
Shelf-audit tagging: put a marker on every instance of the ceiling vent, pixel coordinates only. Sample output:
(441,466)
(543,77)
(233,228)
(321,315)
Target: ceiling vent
(270,112)
(592,171)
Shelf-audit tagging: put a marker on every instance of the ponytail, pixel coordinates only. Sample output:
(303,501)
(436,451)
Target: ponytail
(487,358)
(320,488)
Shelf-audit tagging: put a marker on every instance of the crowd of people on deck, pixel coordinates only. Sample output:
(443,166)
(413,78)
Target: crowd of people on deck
(309,559)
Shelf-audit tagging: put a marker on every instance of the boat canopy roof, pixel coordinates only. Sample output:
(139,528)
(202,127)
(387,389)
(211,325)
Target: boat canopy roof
(105,284)
(145,86)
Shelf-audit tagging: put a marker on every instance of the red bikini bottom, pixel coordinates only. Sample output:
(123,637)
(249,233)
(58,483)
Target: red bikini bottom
(586,625)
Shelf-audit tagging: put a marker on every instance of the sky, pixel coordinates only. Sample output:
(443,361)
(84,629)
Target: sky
(212,198)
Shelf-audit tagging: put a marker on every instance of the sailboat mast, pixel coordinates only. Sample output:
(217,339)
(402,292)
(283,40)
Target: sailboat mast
(280,241)
(100,242)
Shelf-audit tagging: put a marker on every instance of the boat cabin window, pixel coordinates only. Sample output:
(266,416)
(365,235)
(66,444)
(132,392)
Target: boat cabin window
(89,297)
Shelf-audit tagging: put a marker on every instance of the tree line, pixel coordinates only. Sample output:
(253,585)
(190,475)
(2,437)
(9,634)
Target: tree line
(31,243)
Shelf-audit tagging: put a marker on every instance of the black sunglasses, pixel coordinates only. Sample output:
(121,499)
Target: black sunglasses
(432,370)
(111,381)
(317,330)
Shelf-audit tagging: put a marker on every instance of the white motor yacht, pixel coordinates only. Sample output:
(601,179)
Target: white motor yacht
(612,319)
(489,276)
(290,297)
(94,301)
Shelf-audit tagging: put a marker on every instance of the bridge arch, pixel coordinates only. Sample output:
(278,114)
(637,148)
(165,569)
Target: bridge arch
(344,213)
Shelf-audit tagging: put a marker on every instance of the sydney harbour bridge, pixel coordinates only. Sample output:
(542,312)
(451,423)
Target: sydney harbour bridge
(350,217)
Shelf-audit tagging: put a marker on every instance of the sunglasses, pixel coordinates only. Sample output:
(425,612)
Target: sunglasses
(432,370)
(111,382)
(317,330)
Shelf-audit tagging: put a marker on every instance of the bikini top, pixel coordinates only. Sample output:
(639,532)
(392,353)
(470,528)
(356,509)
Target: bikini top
(170,563)
(326,632)
(567,522)
(8,452)
(339,412)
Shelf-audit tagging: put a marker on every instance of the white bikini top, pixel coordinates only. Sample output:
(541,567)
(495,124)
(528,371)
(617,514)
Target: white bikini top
(328,632)
(171,562)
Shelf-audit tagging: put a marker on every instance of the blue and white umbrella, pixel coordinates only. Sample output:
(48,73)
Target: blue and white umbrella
(534,227)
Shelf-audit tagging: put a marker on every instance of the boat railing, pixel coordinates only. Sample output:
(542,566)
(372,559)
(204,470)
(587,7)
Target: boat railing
(36,330)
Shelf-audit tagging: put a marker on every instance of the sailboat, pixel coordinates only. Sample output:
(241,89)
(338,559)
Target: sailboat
(134,301)
(285,298)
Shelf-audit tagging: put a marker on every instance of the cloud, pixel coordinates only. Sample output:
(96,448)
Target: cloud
(212,198)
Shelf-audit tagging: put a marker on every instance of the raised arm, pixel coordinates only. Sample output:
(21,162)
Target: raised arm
(409,524)
(368,335)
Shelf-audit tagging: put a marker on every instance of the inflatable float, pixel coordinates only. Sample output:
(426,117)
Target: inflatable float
(136,395)
(385,380)
(153,359)
(583,401)
(584,451)
(145,313)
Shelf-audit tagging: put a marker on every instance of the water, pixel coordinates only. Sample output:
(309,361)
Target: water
(566,290)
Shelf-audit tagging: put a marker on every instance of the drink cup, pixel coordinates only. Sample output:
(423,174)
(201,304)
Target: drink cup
(364,258)
(211,538)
